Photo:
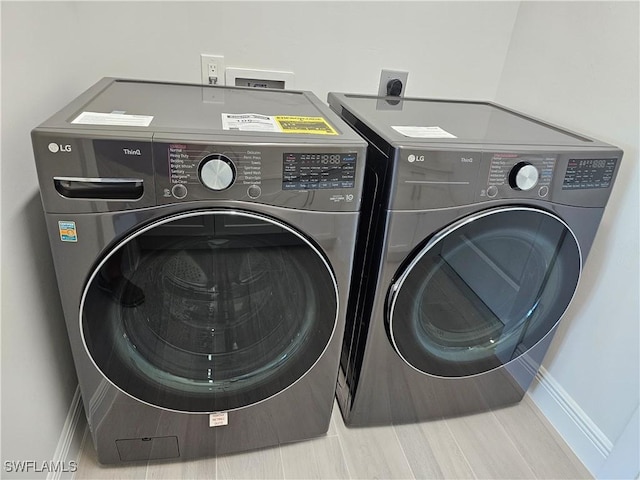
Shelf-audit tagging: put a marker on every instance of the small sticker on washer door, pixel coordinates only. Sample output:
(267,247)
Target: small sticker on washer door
(218,419)
(423,132)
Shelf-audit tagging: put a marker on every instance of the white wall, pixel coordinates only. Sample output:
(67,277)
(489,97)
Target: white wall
(53,51)
(577,64)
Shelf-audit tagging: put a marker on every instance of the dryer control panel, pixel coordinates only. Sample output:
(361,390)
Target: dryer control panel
(519,172)
(447,178)
(570,178)
(587,173)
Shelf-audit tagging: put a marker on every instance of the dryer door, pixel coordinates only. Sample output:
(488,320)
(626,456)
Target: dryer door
(209,310)
(483,291)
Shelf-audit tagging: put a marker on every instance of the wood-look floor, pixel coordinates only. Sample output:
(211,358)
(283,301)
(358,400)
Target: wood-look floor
(510,443)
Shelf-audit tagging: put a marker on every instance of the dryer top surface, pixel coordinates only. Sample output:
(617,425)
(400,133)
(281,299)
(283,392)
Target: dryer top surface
(422,122)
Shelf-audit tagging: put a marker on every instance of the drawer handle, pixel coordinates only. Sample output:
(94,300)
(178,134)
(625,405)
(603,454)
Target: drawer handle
(99,188)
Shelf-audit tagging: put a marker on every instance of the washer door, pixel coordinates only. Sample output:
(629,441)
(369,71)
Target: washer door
(209,311)
(483,291)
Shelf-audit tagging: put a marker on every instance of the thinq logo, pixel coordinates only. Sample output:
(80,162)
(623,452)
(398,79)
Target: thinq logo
(28,466)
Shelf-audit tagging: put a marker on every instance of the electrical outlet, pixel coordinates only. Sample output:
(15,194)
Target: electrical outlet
(399,86)
(212,69)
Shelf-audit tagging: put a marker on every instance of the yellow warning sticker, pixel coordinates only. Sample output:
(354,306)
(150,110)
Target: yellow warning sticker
(309,125)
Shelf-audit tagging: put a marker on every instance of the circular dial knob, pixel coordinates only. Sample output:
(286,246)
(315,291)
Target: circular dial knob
(523,176)
(217,172)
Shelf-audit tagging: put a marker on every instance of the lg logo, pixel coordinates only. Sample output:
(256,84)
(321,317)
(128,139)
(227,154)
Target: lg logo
(415,158)
(55,148)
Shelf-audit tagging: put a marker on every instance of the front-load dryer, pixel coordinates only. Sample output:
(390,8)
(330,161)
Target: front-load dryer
(202,239)
(478,221)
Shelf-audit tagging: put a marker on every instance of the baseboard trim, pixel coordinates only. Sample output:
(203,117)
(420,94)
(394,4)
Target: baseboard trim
(70,440)
(581,434)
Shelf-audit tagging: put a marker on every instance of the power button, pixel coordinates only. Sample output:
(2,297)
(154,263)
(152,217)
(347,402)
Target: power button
(254,191)
(179,191)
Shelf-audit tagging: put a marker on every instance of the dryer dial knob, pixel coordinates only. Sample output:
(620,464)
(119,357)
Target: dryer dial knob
(217,172)
(523,176)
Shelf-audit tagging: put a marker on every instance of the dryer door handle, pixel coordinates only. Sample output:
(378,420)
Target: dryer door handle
(99,188)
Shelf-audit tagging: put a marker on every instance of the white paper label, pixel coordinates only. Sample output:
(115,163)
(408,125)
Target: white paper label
(218,419)
(423,132)
(120,119)
(250,122)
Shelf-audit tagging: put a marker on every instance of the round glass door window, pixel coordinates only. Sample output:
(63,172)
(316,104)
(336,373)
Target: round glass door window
(483,291)
(209,311)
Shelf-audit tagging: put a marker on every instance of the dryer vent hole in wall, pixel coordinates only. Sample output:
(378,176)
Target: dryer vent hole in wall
(392,83)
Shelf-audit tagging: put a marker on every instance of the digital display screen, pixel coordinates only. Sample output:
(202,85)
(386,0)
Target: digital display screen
(589,173)
(318,171)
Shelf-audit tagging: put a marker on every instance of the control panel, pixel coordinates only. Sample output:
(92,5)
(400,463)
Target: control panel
(442,178)
(589,173)
(520,173)
(195,171)
(275,174)
(303,171)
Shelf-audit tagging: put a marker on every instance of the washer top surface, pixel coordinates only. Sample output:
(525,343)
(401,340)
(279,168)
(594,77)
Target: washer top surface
(433,121)
(156,107)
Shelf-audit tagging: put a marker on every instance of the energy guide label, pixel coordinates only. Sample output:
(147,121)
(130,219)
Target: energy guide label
(68,232)
(254,122)
(312,125)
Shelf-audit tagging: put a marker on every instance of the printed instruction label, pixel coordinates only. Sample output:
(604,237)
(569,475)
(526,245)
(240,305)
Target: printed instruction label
(68,232)
(114,118)
(255,122)
(249,122)
(423,132)
(218,419)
